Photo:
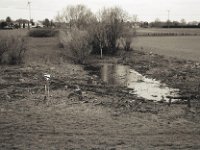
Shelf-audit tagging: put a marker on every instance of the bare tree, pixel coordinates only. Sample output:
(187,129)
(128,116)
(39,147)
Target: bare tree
(46,22)
(105,28)
(109,30)
(77,16)
(59,18)
(183,22)
(99,30)
(129,31)
(127,37)
(100,36)
(8,19)
(78,47)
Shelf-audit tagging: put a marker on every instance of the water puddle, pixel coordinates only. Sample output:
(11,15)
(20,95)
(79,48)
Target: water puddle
(144,87)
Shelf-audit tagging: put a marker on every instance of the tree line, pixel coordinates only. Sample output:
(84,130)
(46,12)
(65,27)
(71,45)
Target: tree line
(174,24)
(22,23)
(106,31)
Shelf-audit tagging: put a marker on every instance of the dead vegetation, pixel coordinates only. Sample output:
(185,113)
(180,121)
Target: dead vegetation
(95,121)
(12,49)
(78,47)
(105,117)
(42,32)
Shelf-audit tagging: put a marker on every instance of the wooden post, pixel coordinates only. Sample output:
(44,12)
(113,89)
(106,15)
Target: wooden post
(47,83)
(45,89)
(170,102)
(188,103)
(198,91)
(48,88)
(101,50)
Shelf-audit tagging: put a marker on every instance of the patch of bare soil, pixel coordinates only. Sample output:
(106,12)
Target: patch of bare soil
(98,116)
(105,117)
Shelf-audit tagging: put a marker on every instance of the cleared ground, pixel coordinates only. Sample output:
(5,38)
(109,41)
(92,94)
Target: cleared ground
(184,47)
(106,118)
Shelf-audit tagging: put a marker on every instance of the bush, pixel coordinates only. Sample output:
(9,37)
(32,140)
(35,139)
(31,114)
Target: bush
(79,46)
(3,24)
(42,33)
(12,49)
(127,37)
(111,28)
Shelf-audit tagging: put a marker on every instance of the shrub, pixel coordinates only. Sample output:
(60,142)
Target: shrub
(42,33)
(111,28)
(62,38)
(3,24)
(127,37)
(79,46)
(12,49)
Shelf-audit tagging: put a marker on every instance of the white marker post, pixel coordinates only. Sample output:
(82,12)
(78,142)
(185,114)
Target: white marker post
(47,83)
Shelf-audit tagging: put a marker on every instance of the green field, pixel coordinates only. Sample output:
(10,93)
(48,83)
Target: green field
(184,47)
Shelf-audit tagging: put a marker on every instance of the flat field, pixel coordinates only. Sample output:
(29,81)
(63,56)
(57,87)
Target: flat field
(184,47)
(15,32)
(176,31)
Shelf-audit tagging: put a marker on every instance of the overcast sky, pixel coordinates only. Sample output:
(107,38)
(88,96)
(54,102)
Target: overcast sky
(146,10)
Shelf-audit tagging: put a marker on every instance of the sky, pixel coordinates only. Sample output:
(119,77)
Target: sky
(146,10)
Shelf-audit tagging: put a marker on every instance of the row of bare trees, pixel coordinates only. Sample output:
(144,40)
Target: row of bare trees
(108,29)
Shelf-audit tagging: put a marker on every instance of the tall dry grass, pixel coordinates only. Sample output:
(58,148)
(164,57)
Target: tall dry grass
(76,45)
(42,32)
(12,49)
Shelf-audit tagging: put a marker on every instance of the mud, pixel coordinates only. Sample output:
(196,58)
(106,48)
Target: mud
(122,75)
(107,117)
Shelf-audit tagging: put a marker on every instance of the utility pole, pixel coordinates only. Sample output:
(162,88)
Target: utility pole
(168,13)
(29,6)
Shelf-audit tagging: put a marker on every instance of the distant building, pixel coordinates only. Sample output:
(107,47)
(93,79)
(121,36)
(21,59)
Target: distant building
(22,23)
(37,24)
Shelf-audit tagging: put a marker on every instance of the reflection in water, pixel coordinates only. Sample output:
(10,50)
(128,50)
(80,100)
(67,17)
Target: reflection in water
(144,87)
(114,74)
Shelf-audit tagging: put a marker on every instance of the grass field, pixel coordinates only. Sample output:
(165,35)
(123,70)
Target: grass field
(178,31)
(185,47)
(15,32)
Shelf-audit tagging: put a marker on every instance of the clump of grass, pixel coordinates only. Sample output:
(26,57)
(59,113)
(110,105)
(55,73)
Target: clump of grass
(42,33)
(12,49)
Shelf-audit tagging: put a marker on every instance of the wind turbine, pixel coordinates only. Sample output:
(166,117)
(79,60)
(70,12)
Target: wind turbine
(168,15)
(29,6)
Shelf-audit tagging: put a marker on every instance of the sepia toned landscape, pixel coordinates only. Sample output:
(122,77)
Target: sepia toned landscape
(97,81)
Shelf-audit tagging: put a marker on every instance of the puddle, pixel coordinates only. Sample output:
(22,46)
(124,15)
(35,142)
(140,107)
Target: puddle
(125,76)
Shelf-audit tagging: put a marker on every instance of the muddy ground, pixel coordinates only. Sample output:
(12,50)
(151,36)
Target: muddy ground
(105,117)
